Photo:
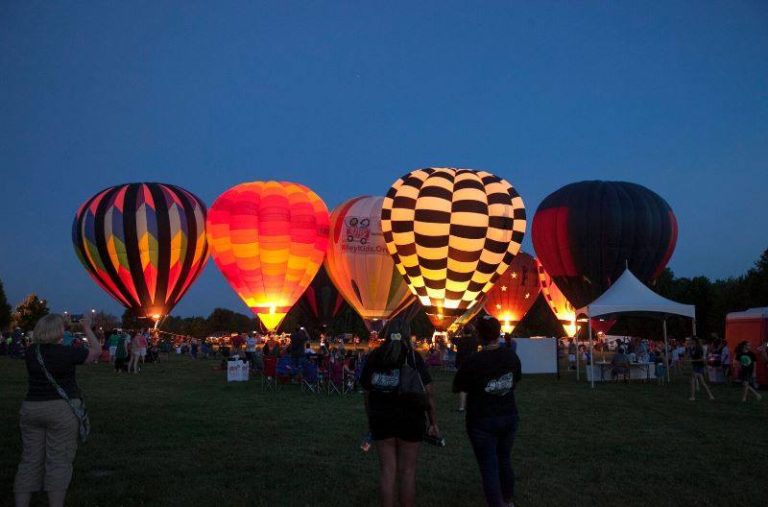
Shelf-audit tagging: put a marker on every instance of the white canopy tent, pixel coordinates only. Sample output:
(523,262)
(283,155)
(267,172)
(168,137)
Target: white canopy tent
(630,296)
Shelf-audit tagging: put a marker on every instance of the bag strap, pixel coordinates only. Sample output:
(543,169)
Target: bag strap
(48,375)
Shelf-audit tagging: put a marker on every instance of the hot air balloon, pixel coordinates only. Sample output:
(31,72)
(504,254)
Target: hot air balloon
(268,240)
(359,264)
(143,243)
(557,302)
(585,234)
(451,233)
(467,316)
(515,292)
(320,303)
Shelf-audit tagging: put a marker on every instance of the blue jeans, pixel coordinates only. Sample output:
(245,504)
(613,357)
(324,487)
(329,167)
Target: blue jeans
(492,439)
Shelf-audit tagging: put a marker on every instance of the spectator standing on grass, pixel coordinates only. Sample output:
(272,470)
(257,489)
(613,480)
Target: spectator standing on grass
(746,359)
(133,363)
(489,378)
(571,354)
(113,339)
(142,346)
(725,361)
(696,353)
(298,339)
(396,426)
(465,347)
(121,352)
(250,348)
(49,427)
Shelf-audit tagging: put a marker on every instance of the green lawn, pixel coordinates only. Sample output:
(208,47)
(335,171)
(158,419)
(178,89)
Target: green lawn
(178,434)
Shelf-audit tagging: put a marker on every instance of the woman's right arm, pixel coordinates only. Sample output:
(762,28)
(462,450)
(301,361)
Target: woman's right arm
(94,347)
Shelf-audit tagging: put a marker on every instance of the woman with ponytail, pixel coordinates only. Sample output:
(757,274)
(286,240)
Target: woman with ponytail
(397,425)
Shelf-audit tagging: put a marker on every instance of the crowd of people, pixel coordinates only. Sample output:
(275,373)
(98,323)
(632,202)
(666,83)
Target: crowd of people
(714,360)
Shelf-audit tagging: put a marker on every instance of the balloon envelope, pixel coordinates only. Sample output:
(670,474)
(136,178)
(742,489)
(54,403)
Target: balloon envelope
(320,303)
(359,264)
(586,233)
(514,293)
(557,302)
(452,233)
(143,243)
(268,240)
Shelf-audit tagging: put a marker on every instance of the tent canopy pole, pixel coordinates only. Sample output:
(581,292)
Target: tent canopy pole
(591,355)
(666,346)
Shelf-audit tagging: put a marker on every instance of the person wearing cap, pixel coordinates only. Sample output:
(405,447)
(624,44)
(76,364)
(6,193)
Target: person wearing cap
(489,378)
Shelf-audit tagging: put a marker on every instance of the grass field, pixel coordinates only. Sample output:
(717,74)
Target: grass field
(178,434)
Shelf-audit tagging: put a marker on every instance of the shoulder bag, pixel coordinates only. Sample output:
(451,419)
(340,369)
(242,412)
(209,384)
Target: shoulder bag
(412,392)
(79,410)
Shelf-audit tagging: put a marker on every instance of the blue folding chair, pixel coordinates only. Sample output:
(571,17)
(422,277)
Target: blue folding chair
(310,380)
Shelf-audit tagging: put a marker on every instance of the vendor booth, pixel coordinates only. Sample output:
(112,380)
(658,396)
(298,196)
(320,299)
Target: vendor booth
(752,326)
(629,296)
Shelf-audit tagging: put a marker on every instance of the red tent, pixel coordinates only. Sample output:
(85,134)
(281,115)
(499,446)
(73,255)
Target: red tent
(752,326)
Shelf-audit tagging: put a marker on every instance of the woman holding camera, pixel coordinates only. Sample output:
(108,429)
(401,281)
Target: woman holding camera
(49,427)
(397,427)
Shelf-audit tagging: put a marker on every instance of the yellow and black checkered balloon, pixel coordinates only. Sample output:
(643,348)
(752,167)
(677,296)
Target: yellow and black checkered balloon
(452,233)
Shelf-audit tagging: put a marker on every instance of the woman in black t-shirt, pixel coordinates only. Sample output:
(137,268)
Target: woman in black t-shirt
(489,378)
(746,360)
(395,425)
(49,428)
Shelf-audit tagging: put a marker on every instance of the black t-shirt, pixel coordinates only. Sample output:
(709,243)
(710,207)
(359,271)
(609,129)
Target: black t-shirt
(747,362)
(697,355)
(489,378)
(465,347)
(60,361)
(382,384)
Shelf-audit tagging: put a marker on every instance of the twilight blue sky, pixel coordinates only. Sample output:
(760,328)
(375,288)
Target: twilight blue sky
(347,96)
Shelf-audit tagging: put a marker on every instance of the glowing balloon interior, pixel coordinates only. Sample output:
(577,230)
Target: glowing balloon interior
(268,239)
(557,302)
(514,293)
(451,234)
(143,243)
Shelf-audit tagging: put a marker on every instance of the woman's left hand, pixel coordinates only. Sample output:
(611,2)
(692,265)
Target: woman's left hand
(433,430)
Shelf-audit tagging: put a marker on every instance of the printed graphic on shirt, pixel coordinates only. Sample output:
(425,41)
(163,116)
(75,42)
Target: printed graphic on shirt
(501,386)
(745,360)
(385,380)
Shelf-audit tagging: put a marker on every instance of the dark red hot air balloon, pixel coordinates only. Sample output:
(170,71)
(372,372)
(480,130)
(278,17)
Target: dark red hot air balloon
(586,233)
(320,303)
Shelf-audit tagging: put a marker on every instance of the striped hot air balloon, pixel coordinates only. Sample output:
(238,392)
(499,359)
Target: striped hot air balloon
(143,243)
(359,264)
(268,240)
(514,293)
(467,316)
(452,233)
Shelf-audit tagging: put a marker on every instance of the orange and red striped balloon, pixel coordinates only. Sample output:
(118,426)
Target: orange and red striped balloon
(268,240)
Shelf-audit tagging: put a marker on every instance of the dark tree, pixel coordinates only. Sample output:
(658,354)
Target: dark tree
(29,312)
(5,310)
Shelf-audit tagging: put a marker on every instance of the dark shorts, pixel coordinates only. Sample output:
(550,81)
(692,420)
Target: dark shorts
(408,427)
(698,368)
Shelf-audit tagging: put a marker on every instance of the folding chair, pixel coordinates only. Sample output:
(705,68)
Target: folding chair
(323,371)
(310,380)
(284,369)
(336,377)
(269,374)
(349,377)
